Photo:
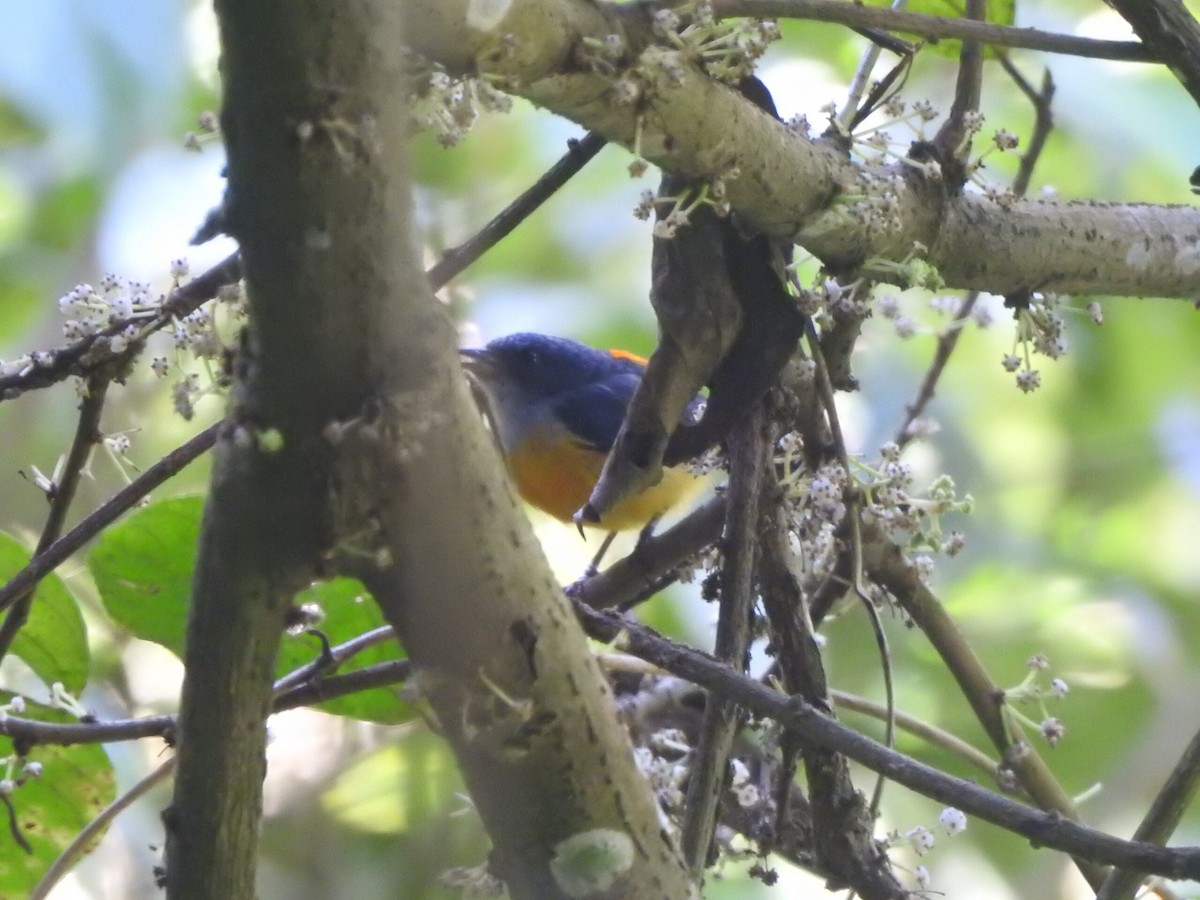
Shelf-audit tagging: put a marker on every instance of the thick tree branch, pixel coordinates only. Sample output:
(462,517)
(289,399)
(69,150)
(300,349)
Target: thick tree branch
(390,475)
(313,124)
(786,186)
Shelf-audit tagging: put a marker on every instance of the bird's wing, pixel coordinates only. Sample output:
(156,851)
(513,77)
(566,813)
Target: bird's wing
(593,413)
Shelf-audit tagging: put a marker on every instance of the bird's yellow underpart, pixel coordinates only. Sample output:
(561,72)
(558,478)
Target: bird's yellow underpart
(557,474)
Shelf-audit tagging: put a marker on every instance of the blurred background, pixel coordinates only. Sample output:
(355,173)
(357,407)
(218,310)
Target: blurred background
(1082,545)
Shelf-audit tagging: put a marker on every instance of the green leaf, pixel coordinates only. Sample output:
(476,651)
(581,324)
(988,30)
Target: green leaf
(54,641)
(17,126)
(76,783)
(142,567)
(143,570)
(64,213)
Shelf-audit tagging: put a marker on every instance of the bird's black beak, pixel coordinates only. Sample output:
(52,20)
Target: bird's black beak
(477,362)
(472,358)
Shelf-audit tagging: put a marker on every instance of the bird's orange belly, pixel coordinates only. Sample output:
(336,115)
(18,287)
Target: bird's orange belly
(557,476)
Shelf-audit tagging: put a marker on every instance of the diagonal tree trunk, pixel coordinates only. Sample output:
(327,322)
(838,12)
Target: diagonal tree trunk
(352,444)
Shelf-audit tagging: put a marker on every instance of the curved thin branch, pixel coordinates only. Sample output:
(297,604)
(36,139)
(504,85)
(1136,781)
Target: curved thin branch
(46,561)
(82,842)
(87,435)
(301,687)
(82,357)
(1161,820)
(938,737)
(933,27)
(1041,828)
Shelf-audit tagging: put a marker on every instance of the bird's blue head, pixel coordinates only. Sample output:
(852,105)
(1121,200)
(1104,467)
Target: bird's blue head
(544,366)
(527,378)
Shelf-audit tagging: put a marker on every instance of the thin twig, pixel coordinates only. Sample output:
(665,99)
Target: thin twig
(953,139)
(62,492)
(82,358)
(854,516)
(92,830)
(1161,819)
(288,695)
(44,562)
(191,295)
(579,153)
(948,340)
(301,687)
(946,345)
(327,662)
(889,570)
(1042,828)
(932,27)
(1043,122)
(858,84)
(938,737)
(748,454)
(14,827)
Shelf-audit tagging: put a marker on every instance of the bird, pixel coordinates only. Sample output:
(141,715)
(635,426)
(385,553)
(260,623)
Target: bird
(556,406)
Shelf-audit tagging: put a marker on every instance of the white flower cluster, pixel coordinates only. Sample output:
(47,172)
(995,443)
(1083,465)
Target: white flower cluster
(1040,329)
(664,764)
(817,506)
(1031,692)
(909,520)
(450,105)
(119,316)
(727,49)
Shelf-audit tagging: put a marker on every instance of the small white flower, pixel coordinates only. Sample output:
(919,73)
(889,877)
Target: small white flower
(121,306)
(954,821)
(922,875)
(1029,380)
(1053,731)
(1059,688)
